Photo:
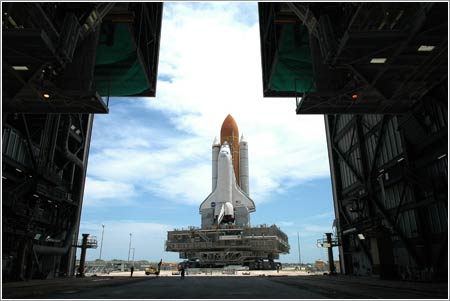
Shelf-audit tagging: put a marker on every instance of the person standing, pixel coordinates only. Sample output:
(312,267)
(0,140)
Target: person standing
(159,268)
(182,271)
(132,270)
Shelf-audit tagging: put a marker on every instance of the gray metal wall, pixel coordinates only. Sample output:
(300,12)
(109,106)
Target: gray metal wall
(389,176)
(44,160)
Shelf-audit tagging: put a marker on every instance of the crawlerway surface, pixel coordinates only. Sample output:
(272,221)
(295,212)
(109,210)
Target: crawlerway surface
(224,287)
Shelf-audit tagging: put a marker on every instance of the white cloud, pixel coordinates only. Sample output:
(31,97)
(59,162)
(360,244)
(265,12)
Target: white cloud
(217,74)
(173,172)
(318,231)
(98,191)
(214,67)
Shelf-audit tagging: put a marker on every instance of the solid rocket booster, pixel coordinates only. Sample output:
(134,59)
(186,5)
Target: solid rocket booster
(215,156)
(243,165)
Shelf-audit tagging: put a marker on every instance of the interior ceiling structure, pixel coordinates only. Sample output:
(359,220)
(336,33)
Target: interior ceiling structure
(64,57)
(353,57)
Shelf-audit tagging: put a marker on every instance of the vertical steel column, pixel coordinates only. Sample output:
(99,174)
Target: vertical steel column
(83,254)
(29,143)
(330,255)
(53,138)
(87,142)
(334,183)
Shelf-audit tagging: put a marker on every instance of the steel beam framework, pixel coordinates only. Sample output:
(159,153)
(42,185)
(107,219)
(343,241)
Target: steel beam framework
(388,145)
(43,175)
(383,197)
(367,57)
(50,53)
(49,57)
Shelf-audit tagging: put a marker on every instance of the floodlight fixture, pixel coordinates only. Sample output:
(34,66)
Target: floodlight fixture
(378,60)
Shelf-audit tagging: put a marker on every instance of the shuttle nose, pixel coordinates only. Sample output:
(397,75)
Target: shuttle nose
(225,149)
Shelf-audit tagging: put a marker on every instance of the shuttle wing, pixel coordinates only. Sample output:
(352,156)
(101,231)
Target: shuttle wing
(241,199)
(209,199)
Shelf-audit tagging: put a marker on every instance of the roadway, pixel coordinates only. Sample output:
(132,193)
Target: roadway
(224,287)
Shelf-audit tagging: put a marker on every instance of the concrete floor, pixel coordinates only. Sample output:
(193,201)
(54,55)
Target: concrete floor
(223,287)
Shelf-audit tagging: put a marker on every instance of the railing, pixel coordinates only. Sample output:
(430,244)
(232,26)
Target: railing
(91,243)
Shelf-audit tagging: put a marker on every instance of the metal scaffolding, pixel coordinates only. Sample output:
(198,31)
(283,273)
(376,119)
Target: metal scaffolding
(228,246)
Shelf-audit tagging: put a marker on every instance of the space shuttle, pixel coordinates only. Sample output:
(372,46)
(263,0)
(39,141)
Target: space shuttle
(229,201)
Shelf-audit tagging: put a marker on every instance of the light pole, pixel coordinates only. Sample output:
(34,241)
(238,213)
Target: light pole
(129,249)
(101,243)
(132,258)
(299,256)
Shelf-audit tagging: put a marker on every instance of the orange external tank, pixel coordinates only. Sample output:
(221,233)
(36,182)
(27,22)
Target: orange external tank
(230,133)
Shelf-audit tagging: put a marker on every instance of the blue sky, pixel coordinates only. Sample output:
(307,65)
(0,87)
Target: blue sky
(150,160)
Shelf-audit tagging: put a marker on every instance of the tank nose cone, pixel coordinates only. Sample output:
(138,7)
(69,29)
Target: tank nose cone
(229,126)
